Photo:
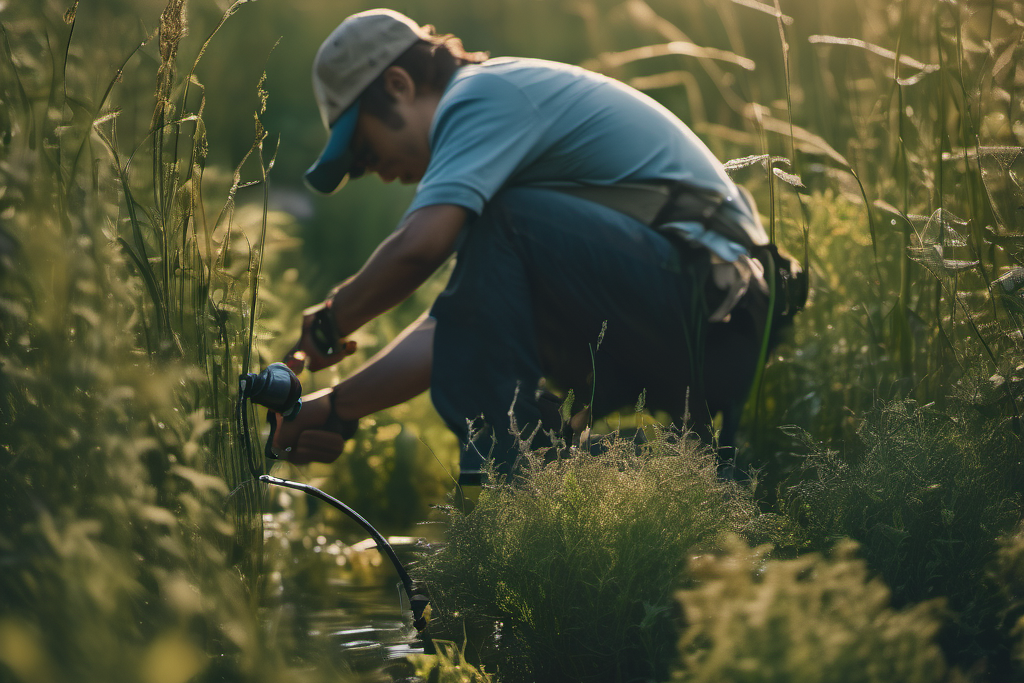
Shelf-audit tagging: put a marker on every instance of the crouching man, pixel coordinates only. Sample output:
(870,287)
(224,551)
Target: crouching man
(599,245)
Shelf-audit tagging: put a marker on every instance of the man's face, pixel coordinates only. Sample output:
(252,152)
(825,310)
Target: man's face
(392,153)
(397,149)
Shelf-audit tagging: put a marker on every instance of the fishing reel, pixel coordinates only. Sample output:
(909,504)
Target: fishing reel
(276,388)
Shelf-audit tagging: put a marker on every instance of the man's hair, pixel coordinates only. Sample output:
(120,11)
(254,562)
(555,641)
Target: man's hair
(430,63)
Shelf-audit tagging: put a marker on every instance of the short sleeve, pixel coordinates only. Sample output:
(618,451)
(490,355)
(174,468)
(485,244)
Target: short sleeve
(484,131)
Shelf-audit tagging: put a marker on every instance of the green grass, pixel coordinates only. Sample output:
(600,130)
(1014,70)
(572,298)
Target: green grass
(126,319)
(883,143)
(928,495)
(575,561)
(814,618)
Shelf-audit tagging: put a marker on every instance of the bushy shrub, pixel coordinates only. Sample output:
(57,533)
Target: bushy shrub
(567,570)
(811,619)
(1010,576)
(926,498)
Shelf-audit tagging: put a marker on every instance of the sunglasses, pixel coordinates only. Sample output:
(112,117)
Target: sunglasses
(363,157)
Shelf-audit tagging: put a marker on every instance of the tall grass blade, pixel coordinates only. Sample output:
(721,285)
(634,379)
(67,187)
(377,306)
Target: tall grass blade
(614,60)
(767,9)
(922,68)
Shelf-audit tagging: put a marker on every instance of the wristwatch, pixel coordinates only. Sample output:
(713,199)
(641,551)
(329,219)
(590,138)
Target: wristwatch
(334,423)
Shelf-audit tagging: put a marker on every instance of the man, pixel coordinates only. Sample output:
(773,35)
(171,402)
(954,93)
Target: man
(545,180)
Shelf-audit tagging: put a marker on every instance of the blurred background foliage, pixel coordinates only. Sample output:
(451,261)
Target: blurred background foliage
(146,214)
(812,618)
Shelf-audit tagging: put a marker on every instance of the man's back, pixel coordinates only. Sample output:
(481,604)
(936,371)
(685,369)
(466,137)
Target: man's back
(512,122)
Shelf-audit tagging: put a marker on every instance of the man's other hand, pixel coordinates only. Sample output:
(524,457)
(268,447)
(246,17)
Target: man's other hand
(305,439)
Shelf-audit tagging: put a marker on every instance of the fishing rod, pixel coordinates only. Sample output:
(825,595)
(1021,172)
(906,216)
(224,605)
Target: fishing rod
(278,389)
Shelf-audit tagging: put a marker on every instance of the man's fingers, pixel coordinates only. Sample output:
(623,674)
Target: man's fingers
(316,445)
(320,439)
(296,359)
(318,361)
(305,438)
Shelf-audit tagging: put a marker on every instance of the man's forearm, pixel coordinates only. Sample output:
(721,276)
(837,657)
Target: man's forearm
(397,267)
(387,279)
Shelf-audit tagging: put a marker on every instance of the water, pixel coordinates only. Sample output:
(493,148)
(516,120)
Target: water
(342,604)
(367,632)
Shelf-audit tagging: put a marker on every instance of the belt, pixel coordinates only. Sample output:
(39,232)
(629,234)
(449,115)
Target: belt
(659,203)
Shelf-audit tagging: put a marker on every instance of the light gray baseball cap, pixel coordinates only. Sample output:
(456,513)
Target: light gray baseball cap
(355,53)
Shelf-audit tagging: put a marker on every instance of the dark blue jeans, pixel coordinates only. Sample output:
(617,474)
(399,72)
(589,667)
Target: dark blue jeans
(539,275)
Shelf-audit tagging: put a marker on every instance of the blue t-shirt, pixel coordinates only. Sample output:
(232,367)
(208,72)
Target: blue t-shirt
(511,122)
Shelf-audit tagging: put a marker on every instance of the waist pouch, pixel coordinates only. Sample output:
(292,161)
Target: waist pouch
(660,204)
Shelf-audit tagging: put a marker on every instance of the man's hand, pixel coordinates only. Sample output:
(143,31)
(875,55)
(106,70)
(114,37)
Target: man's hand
(305,438)
(307,353)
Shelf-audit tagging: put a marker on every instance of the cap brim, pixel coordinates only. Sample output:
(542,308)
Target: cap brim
(332,167)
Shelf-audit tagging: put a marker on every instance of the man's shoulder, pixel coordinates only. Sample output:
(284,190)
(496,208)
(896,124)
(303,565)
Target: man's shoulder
(519,73)
(512,66)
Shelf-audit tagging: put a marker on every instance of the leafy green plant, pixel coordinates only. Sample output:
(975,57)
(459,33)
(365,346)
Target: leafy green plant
(449,665)
(926,497)
(124,322)
(814,618)
(567,570)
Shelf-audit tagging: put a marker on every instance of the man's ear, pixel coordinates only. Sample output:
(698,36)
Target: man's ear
(399,83)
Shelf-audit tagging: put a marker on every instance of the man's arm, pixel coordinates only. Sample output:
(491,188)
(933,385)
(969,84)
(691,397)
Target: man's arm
(396,374)
(401,263)
(398,266)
